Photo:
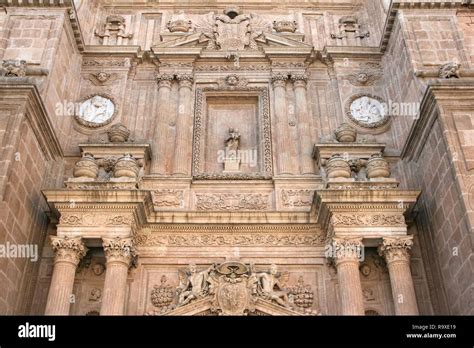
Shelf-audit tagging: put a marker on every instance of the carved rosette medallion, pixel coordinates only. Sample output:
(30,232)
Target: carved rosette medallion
(119,250)
(68,249)
(395,249)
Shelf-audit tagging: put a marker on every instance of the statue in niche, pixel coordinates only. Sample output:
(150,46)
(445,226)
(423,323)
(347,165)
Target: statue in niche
(193,284)
(271,285)
(232,143)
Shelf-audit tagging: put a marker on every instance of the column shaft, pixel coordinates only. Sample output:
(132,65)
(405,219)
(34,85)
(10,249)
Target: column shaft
(304,124)
(68,254)
(281,121)
(158,165)
(397,255)
(119,253)
(184,127)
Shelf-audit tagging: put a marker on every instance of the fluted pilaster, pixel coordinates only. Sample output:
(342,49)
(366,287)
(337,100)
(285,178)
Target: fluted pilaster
(158,165)
(284,160)
(346,253)
(396,252)
(68,253)
(184,126)
(304,123)
(119,253)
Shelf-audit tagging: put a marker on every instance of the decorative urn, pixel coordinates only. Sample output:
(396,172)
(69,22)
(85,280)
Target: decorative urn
(378,167)
(338,167)
(345,133)
(86,167)
(118,133)
(126,167)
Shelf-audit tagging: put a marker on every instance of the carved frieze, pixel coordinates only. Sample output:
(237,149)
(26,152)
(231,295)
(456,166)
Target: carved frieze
(168,198)
(92,219)
(237,239)
(297,198)
(232,201)
(367,220)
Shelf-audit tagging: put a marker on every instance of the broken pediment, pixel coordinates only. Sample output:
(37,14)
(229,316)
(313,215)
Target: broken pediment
(233,31)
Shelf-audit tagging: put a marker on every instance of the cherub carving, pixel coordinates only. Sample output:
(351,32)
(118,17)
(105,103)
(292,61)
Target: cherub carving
(193,284)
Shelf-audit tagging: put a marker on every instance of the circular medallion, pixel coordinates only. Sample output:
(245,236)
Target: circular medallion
(367,111)
(96,111)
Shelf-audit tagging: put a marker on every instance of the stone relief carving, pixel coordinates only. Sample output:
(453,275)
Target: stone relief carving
(95,295)
(168,198)
(232,82)
(252,67)
(20,68)
(367,220)
(285,26)
(109,62)
(350,29)
(179,26)
(98,269)
(14,67)
(232,31)
(68,249)
(368,294)
(367,111)
(232,176)
(232,288)
(241,239)
(449,70)
(102,78)
(89,219)
(367,75)
(163,296)
(232,201)
(113,31)
(96,111)
(120,249)
(396,248)
(199,131)
(297,198)
(302,297)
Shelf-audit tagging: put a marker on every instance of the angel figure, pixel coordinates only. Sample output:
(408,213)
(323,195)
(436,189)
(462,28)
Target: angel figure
(272,285)
(193,284)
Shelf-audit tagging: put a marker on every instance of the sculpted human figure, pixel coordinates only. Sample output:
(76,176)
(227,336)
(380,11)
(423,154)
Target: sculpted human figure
(193,285)
(271,286)
(232,143)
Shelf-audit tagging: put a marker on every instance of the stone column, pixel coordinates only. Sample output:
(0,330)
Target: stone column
(119,253)
(184,126)
(346,253)
(304,124)
(396,252)
(158,164)
(69,251)
(281,120)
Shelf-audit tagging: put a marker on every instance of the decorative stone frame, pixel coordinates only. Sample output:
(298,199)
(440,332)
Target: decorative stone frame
(376,128)
(92,125)
(266,165)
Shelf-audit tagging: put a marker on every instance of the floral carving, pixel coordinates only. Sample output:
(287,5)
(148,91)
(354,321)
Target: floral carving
(163,295)
(231,201)
(302,296)
(168,198)
(297,198)
(241,239)
(396,248)
(68,249)
(119,250)
(367,220)
(95,220)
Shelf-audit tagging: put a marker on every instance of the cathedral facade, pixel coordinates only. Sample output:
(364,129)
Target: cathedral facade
(237,158)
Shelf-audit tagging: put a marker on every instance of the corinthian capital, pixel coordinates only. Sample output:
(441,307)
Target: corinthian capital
(164,80)
(279,80)
(68,249)
(185,80)
(299,80)
(345,249)
(396,248)
(119,250)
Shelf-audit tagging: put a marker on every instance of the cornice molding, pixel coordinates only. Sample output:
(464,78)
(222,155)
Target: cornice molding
(24,93)
(441,92)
